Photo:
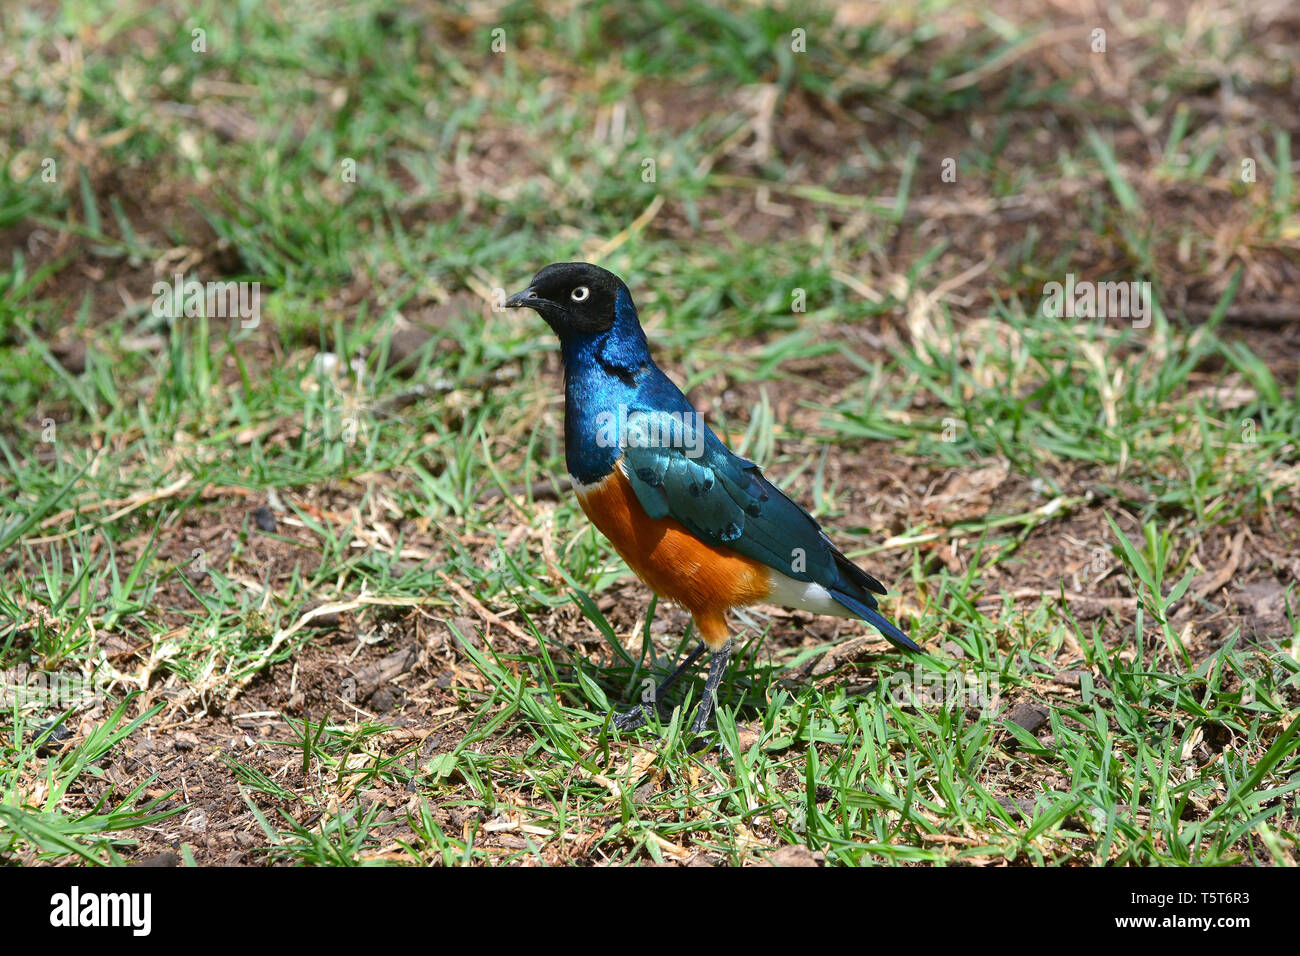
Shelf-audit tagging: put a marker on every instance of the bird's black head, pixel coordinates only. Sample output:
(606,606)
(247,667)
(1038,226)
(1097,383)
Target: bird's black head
(575,298)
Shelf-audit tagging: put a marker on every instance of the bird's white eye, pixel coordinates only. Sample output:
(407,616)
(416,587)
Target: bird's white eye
(580,293)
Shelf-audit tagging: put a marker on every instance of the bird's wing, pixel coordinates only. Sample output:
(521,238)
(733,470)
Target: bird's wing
(726,501)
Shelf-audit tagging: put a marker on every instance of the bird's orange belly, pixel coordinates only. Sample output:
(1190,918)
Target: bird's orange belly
(705,579)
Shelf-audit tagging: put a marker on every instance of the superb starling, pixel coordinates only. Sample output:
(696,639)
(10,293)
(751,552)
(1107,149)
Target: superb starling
(701,526)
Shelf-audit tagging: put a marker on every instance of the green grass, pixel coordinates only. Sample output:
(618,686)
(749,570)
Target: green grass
(130,557)
(36,784)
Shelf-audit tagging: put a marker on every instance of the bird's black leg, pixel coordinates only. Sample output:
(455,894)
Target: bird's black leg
(635,717)
(717,667)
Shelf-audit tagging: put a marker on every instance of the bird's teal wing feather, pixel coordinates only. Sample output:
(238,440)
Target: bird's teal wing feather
(725,500)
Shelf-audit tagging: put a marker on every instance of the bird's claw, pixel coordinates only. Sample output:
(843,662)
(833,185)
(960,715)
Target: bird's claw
(702,744)
(636,717)
(630,720)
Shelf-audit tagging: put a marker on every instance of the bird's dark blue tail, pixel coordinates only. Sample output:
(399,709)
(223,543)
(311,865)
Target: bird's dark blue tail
(875,619)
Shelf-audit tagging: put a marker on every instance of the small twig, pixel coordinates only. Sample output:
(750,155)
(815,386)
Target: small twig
(1250,313)
(543,490)
(1057,506)
(487,616)
(124,505)
(323,610)
(1005,59)
(637,224)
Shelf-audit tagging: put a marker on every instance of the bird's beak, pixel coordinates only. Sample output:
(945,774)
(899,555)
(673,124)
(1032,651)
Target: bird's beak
(522,300)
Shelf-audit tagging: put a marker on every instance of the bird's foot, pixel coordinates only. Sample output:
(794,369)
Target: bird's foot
(632,719)
(636,717)
(703,744)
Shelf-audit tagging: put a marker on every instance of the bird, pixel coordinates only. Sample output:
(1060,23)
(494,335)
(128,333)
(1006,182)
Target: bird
(698,524)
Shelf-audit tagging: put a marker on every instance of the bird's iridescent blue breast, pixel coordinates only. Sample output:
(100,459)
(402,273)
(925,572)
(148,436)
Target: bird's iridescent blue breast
(604,373)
